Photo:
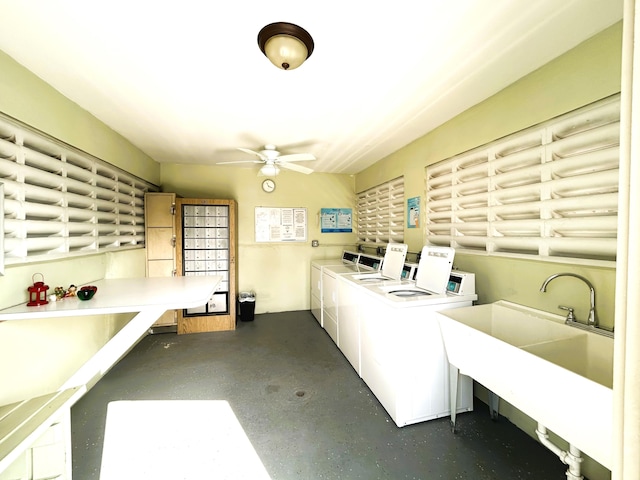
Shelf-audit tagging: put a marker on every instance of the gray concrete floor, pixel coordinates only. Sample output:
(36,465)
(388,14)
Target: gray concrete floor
(304,408)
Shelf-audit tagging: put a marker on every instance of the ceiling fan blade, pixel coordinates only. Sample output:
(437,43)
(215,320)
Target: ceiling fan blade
(239,161)
(295,168)
(251,152)
(296,157)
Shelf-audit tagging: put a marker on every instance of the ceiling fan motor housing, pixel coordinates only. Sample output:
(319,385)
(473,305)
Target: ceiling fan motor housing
(270,152)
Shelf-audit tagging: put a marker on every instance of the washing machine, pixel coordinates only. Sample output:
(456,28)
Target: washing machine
(330,274)
(348,258)
(391,270)
(403,360)
(435,282)
(350,297)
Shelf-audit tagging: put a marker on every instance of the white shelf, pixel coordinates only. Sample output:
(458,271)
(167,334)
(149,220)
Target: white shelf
(22,423)
(121,295)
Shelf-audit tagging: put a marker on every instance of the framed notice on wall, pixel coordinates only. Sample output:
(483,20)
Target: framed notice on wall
(281,224)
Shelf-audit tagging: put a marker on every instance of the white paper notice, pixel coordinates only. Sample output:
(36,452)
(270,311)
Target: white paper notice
(281,224)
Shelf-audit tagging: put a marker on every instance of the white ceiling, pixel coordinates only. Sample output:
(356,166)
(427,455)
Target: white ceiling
(186,82)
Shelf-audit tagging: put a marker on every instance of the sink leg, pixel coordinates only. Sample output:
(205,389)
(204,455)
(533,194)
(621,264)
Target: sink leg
(494,404)
(454,373)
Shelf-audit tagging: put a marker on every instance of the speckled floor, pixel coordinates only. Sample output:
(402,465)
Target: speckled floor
(305,410)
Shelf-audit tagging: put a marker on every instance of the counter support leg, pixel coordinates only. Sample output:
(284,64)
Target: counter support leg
(494,405)
(454,374)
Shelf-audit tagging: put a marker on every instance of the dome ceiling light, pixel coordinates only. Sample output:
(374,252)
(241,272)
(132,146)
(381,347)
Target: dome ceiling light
(286,45)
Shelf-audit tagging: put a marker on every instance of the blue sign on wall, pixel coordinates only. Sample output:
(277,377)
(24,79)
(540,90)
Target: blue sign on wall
(413,212)
(335,220)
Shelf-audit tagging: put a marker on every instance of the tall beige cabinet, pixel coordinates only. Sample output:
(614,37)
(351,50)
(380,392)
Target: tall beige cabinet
(206,245)
(160,240)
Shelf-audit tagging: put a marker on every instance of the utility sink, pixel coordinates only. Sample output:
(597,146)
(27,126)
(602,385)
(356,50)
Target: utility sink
(556,374)
(497,320)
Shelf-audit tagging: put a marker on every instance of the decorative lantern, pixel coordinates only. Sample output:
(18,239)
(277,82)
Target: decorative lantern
(37,292)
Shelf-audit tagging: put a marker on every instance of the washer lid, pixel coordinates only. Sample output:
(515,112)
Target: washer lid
(434,268)
(394,258)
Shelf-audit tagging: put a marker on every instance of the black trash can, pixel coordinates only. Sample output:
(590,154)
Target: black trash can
(246,306)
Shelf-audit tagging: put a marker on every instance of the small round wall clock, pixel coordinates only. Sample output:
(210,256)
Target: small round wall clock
(268,185)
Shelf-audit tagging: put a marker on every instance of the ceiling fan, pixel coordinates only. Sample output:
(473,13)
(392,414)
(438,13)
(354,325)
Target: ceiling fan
(272,161)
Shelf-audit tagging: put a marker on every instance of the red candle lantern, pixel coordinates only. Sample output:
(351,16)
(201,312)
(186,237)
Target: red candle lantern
(37,292)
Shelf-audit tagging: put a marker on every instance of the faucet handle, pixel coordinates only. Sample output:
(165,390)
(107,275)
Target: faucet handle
(570,316)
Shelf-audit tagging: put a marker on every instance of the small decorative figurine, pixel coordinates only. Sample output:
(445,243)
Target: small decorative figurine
(61,292)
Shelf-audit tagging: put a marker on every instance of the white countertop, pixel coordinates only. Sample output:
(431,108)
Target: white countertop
(121,295)
(148,298)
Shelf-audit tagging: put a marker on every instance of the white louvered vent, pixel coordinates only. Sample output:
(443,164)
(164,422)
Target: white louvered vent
(549,191)
(60,201)
(381,213)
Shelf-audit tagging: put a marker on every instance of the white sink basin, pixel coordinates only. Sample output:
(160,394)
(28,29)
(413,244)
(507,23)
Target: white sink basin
(497,320)
(588,355)
(558,375)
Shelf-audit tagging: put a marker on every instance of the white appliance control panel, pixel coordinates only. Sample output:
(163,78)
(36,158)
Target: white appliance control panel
(350,257)
(369,262)
(461,283)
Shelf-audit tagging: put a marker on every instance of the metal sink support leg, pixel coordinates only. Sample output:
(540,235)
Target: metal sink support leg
(494,405)
(454,374)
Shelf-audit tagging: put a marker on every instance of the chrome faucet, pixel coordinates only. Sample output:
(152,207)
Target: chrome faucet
(592,322)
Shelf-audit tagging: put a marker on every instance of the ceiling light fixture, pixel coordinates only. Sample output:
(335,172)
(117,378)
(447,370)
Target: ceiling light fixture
(286,45)
(269,170)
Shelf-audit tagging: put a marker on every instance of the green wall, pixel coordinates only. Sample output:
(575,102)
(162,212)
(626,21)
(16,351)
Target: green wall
(587,73)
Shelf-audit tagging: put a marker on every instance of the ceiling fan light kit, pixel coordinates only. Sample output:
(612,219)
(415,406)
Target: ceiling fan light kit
(286,45)
(269,170)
